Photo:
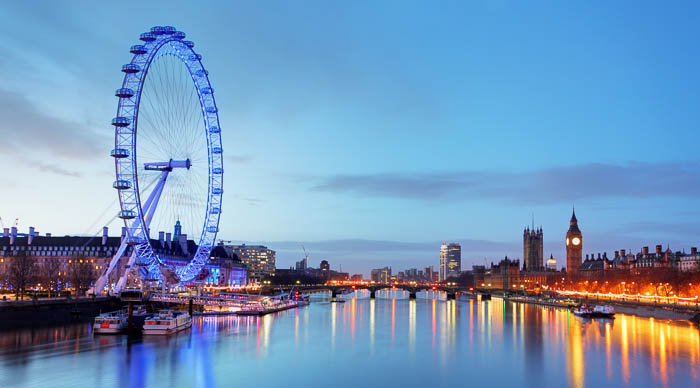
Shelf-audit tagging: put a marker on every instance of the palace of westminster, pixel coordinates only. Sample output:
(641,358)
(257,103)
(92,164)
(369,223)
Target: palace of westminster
(507,274)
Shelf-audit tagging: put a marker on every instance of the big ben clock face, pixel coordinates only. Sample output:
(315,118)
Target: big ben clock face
(576,241)
(567,241)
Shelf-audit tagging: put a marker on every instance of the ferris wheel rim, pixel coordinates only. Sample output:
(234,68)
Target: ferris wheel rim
(126,158)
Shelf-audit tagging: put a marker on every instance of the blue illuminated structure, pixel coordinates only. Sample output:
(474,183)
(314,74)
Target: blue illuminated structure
(167,154)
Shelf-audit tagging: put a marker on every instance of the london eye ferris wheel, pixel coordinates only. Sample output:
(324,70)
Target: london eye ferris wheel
(167,155)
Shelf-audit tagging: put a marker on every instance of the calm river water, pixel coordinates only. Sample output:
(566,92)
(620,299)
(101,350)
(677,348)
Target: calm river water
(388,342)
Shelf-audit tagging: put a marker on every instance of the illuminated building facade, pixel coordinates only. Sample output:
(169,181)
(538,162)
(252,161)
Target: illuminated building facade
(532,249)
(574,246)
(450,260)
(258,259)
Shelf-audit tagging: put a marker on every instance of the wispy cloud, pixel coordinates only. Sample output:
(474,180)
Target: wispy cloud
(238,159)
(32,130)
(558,184)
(251,201)
(51,168)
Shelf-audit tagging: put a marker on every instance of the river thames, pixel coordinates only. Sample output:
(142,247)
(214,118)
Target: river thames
(390,341)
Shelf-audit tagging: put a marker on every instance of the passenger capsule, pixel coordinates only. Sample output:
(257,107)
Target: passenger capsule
(212,229)
(127,214)
(218,170)
(217,190)
(217,150)
(138,49)
(121,184)
(124,93)
(188,43)
(133,240)
(211,109)
(121,121)
(215,210)
(119,153)
(179,35)
(196,57)
(147,37)
(214,129)
(157,30)
(169,30)
(207,90)
(201,73)
(131,68)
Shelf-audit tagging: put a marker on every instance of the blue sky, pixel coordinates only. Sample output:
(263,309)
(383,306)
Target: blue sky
(371,131)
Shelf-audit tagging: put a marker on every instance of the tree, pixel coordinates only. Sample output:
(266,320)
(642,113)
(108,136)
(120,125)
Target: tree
(22,272)
(48,275)
(81,276)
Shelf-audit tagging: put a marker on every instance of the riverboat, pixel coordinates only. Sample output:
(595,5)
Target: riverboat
(115,322)
(604,311)
(167,322)
(598,311)
(583,311)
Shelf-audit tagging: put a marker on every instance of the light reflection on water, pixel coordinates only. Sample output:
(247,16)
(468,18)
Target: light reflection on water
(390,341)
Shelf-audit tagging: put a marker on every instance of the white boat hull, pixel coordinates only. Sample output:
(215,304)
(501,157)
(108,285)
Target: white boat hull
(166,330)
(113,329)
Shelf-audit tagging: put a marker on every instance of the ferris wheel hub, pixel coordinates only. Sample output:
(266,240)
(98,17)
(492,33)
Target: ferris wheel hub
(168,166)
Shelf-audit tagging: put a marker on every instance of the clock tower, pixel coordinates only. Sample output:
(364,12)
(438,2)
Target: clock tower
(574,246)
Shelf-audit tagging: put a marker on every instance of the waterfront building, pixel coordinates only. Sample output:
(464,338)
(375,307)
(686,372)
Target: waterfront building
(258,259)
(689,263)
(574,246)
(356,277)
(302,265)
(450,260)
(55,257)
(381,275)
(504,275)
(532,249)
(325,269)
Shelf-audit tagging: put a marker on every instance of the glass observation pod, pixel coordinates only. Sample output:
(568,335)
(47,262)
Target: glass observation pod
(217,190)
(124,93)
(127,214)
(218,170)
(179,35)
(201,73)
(158,30)
(119,153)
(207,90)
(121,184)
(131,68)
(215,210)
(133,240)
(169,30)
(211,109)
(216,150)
(188,43)
(138,49)
(214,129)
(147,37)
(121,121)
(212,229)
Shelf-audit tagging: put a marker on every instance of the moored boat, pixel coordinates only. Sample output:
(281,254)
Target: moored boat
(167,322)
(582,311)
(115,322)
(603,311)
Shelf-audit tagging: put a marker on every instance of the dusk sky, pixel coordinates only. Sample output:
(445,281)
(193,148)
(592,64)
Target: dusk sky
(372,131)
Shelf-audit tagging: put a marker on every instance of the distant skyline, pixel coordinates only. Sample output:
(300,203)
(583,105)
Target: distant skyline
(372,131)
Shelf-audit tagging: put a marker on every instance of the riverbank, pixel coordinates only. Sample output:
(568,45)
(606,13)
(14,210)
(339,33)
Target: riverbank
(53,311)
(629,308)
